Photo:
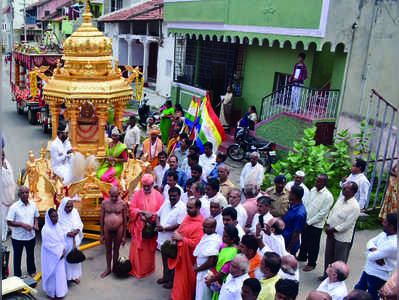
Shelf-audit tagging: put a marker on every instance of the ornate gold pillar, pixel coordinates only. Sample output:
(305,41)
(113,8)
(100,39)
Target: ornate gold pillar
(54,108)
(73,124)
(102,114)
(118,112)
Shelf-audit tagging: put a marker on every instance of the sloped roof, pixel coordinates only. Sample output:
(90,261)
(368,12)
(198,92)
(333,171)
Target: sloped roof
(150,10)
(38,3)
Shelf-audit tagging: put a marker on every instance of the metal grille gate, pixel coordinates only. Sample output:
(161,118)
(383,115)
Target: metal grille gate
(382,117)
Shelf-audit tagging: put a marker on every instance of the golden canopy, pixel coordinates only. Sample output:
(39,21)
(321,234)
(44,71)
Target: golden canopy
(87,77)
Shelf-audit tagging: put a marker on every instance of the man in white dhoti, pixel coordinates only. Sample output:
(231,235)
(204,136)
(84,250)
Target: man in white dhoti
(53,257)
(206,252)
(61,155)
(253,172)
(72,227)
(7,193)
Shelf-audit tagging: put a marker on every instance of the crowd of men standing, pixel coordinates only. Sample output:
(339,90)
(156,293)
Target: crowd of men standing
(217,241)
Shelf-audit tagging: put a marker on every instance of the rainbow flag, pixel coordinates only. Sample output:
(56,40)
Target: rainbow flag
(208,128)
(192,113)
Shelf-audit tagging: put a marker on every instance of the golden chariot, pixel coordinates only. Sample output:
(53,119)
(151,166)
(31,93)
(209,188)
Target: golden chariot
(89,86)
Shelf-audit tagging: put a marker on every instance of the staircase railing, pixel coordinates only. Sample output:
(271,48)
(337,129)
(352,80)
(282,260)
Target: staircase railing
(301,101)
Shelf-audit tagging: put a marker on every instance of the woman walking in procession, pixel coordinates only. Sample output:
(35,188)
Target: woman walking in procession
(53,257)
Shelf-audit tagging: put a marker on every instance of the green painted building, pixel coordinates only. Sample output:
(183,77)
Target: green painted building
(253,45)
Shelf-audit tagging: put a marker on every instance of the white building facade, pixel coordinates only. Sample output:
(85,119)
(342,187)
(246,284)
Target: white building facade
(140,39)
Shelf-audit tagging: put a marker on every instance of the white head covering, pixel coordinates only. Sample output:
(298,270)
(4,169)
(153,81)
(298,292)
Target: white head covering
(53,245)
(115,130)
(71,221)
(300,173)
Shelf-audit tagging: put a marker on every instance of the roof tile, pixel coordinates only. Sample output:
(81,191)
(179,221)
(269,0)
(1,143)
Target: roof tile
(150,10)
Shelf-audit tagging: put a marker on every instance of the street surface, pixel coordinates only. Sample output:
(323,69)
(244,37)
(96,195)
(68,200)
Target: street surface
(22,137)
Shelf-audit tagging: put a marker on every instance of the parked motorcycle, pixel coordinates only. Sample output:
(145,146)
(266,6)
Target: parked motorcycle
(145,112)
(248,144)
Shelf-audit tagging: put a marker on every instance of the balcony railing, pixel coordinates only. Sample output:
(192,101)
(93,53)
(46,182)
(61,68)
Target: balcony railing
(301,101)
(30,20)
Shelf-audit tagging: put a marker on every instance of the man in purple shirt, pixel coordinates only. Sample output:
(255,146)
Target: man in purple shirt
(297,78)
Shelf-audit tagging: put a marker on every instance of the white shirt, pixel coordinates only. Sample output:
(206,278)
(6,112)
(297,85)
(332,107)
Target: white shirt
(184,198)
(159,172)
(19,212)
(132,136)
(343,217)
(337,290)
(255,221)
(181,156)
(205,205)
(242,215)
(363,185)
(317,207)
(241,231)
(305,190)
(274,243)
(207,163)
(219,224)
(231,289)
(60,160)
(169,216)
(252,174)
(386,249)
(166,189)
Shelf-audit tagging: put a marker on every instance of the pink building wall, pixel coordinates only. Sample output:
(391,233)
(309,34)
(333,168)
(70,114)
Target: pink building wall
(50,6)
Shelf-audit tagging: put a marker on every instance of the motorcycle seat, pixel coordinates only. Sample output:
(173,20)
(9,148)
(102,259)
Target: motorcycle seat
(260,144)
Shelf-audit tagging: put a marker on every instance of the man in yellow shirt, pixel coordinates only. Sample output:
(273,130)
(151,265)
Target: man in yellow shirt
(270,265)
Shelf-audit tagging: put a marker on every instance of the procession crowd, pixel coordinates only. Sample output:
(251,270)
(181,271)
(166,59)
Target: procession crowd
(217,240)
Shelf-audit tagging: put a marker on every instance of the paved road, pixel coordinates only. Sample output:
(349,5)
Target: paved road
(22,137)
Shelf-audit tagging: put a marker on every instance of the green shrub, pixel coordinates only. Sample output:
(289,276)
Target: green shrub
(334,161)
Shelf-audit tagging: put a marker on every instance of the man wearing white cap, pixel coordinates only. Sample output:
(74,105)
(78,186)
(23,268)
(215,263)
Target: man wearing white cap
(298,180)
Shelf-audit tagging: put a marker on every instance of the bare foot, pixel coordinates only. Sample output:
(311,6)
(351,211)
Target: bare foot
(106,273)
(77,280)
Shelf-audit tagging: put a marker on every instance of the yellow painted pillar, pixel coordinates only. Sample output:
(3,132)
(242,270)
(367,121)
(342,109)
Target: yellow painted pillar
(101,112)
(54,108)
(118,112)
(73,124)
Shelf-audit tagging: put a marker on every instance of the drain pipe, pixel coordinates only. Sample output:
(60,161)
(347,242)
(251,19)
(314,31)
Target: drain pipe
(348,65)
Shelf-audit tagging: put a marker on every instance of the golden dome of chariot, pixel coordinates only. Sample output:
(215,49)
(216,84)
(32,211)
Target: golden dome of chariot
(87,73)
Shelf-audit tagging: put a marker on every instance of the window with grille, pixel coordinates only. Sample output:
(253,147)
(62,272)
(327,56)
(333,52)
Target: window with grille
(116,5)
(195,61)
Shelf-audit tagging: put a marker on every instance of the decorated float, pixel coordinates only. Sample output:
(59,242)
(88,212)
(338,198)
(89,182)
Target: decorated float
(89,84)
(30,66)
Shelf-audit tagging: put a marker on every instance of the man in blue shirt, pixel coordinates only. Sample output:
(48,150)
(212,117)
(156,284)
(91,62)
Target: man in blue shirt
(295,220)
(173,164)
(220,159)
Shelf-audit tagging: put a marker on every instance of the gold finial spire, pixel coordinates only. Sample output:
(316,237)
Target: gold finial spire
(87,15)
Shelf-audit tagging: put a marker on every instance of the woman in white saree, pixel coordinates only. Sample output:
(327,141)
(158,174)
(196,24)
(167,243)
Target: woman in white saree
(72,226)
(53,257)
